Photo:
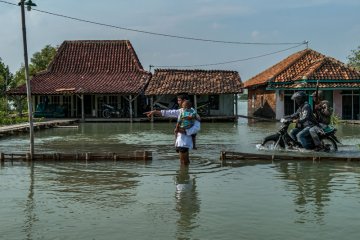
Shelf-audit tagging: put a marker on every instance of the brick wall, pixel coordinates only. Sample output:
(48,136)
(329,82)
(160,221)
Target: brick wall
(261,103)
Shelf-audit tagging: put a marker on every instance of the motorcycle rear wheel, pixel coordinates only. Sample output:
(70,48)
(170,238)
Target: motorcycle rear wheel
(106,113)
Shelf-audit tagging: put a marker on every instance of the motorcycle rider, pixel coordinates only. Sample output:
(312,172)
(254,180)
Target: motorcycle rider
(322,112)
(303,118)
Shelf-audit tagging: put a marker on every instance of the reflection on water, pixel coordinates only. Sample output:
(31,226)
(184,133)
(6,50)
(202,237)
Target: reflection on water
(133,200)
(30,216)
(311,184)
(187,203)
(103,200)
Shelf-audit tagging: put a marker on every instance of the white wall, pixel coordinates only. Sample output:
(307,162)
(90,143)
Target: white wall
(279,104)
(337,103)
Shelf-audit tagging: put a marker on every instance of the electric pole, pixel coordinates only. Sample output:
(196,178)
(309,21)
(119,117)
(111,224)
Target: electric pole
(28,4)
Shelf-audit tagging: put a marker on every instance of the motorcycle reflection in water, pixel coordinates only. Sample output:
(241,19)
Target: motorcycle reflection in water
(282,139)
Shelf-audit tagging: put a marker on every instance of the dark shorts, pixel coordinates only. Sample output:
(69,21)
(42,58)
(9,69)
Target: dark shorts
(182,149)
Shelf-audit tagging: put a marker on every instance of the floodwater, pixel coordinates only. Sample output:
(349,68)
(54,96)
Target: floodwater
(161,200)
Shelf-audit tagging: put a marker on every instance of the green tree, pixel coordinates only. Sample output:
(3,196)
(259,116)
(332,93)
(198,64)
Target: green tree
(354,58)
(5,80)
(39,62)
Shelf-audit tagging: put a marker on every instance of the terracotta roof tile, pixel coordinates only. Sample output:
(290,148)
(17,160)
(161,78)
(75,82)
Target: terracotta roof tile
(272,72)
(92,67)
(305,65)
(173,81)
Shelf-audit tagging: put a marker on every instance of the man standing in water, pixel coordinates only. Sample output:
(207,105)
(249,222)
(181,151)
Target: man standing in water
(183,140)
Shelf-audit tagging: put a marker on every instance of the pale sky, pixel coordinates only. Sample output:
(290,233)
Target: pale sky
(332,27)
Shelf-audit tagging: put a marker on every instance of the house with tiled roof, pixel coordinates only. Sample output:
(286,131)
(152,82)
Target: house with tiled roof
(213,92)
(269,92)
(84,75)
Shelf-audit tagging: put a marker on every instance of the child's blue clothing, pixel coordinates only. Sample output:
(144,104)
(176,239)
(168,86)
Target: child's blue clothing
(186,118)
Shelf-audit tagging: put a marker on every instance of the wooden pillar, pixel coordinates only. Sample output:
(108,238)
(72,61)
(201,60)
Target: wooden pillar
(82,108)
(236,106)
(195,102)
(152,107)
(96,106)
(130,108)
(135,107)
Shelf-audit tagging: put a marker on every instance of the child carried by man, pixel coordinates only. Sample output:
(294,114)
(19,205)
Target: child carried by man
(187,119)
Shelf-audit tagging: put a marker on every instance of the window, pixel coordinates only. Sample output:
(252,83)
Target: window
(55,100)
(350,105)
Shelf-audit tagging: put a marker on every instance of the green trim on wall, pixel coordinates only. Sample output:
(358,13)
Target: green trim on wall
(313,88)
(315,81)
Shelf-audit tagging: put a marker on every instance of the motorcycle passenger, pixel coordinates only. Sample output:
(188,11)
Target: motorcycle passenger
(303,117)
(322,112)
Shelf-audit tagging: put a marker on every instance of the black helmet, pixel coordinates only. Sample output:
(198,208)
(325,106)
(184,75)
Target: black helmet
(299,97)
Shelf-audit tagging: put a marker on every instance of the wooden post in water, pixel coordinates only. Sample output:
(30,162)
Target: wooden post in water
(2,157)
(223,155)
(146,155)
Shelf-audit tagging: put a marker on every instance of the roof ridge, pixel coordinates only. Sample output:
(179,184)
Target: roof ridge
(191,70)
(98,41)
(133,53)
(59,50)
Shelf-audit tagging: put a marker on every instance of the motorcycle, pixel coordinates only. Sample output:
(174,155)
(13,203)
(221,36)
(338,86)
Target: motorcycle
(109,111)
(283,140)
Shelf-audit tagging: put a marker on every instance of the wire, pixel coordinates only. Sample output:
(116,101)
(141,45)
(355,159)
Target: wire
(222,63)
(160,34)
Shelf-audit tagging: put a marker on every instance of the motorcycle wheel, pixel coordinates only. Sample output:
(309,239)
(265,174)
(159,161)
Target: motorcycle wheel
(269,144)
(106,113)
(329,145)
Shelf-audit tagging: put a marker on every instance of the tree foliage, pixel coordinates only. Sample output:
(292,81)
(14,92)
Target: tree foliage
(5,80)
(354,58)
(39,62)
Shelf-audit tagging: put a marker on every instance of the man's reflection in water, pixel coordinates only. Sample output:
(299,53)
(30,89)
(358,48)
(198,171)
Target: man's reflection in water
(187,202)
